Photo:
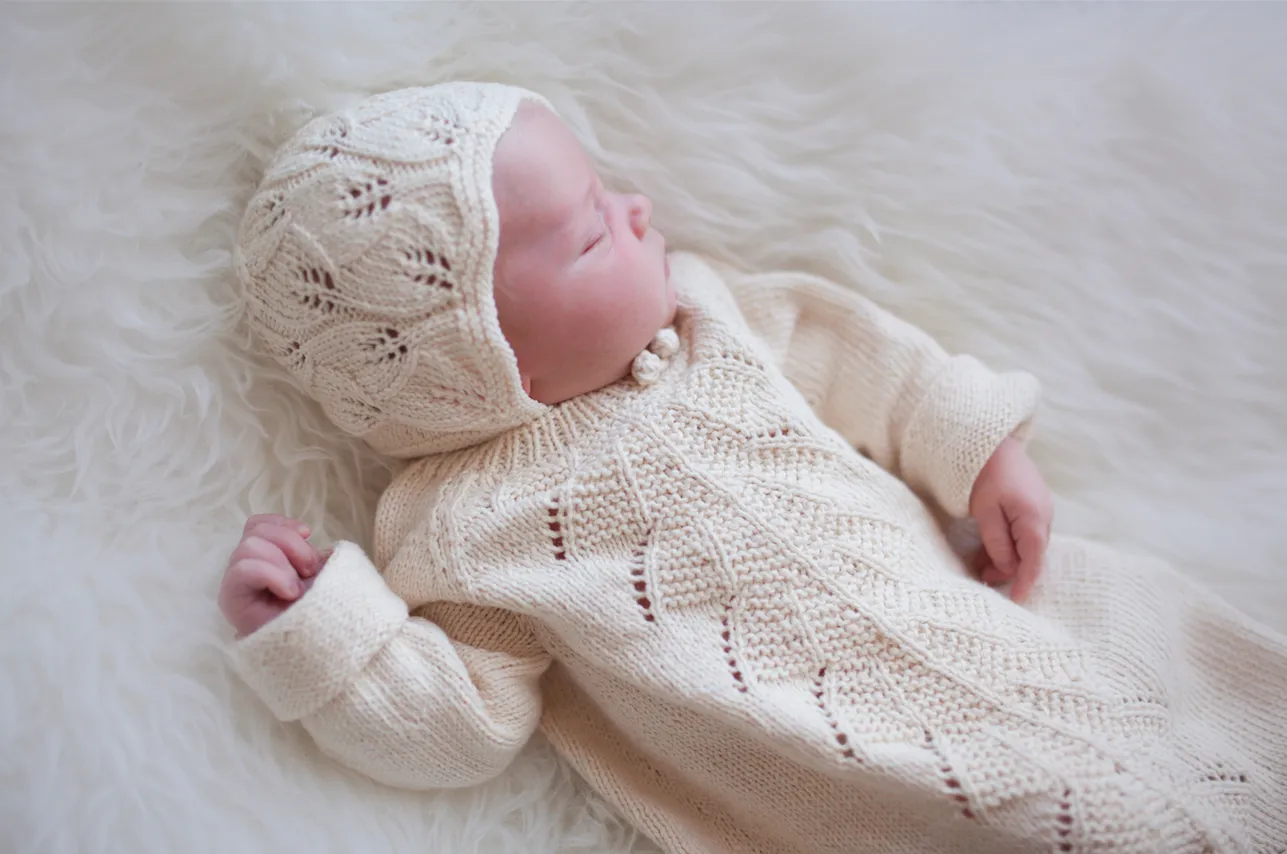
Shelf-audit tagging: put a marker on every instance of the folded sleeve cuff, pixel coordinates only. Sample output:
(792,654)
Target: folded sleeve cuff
(313,651)
(964,416)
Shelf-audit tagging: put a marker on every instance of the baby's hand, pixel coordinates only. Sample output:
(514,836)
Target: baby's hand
(271,567)
(1012,506)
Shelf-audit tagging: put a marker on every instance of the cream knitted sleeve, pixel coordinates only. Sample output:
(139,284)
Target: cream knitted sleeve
(392,695)
(887,387)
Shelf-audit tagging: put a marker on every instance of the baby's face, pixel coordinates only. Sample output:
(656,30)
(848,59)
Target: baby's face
(581,280)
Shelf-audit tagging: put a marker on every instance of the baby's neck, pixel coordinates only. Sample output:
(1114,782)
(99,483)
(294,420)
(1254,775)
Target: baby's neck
(644,369)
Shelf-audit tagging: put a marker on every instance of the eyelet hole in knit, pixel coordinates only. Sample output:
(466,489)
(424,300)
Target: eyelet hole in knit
(335,134)
(726,636)
(294,356)
(951,782)
(386,346)
(1223,775)
(740,358)
(436,135)
(317,276)
(428,268)
(312,278)
(1064,821)
(276,210)
(362,200)
(640,583)
(838,735)
(554,527)
(443,130)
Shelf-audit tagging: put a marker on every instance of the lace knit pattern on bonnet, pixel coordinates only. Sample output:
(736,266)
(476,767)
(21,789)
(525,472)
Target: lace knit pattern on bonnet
(367,255)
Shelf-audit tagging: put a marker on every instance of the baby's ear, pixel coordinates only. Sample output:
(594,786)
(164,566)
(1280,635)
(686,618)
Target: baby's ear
(527,386)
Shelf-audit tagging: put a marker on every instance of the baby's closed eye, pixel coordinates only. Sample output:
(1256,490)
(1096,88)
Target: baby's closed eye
(600,235)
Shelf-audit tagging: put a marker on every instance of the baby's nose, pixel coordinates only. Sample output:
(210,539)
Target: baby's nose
(640,207)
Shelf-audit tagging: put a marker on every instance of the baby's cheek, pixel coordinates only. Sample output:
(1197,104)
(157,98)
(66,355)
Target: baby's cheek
(591,323)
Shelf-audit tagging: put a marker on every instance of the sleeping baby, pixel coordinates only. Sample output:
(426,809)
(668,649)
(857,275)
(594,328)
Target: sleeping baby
(681,518)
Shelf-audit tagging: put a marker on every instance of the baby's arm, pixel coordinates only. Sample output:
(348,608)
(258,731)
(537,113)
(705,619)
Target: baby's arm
(391,695)
(945,424)
(930,418)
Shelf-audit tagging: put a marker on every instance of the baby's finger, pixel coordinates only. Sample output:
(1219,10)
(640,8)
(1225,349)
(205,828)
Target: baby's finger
(994,530)
(274,519)
(255,547)
(1024,581)
(993,577)
(260,575)
(1032,549)
(264,518)
(302,556)
(983,569)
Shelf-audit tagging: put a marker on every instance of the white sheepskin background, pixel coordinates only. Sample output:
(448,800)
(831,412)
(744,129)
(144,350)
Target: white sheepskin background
(1097,194)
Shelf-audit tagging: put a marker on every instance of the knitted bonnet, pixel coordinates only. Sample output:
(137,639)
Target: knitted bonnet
(367,255)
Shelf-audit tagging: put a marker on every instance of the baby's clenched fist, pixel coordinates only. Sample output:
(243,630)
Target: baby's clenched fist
(271,567)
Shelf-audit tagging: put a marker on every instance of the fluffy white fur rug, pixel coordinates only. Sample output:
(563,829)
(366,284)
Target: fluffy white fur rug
(1098,194)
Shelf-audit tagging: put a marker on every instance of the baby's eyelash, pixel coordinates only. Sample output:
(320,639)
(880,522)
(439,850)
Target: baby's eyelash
(603,220)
